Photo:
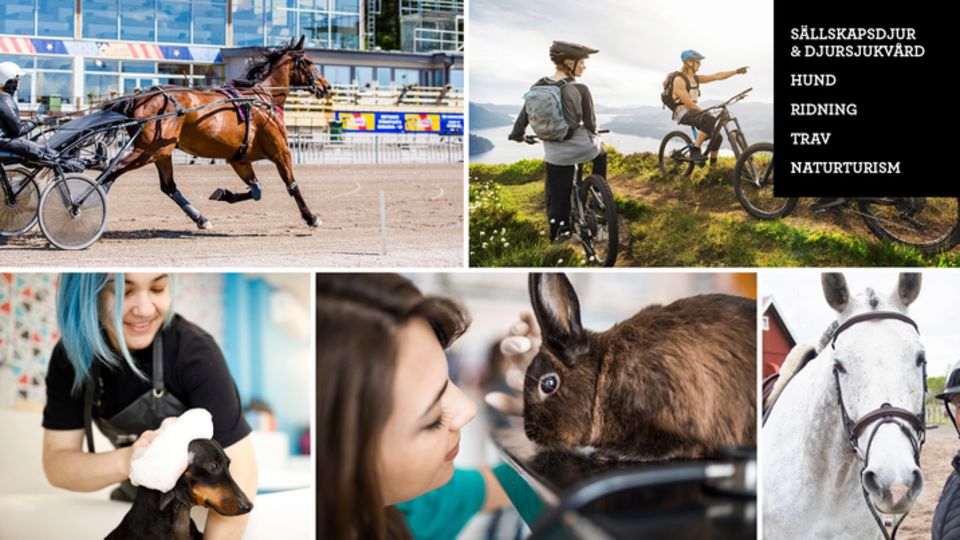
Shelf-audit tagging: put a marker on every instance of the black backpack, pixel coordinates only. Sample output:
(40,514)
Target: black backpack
(666,96)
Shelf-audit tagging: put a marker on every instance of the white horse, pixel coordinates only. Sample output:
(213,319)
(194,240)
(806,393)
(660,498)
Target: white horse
(818,480)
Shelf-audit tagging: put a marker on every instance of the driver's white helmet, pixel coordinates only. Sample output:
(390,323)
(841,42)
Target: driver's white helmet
(9,70)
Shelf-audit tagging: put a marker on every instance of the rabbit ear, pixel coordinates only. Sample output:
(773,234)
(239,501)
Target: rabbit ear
(558,313)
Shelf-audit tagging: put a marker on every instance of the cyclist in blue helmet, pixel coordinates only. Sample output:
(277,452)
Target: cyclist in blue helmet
(686,93)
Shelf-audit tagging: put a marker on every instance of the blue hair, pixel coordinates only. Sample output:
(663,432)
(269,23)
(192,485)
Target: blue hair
(81,330)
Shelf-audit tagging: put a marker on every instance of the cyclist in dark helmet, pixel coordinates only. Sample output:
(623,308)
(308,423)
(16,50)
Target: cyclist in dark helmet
(686,93)
(580,143)
(12,129)
(946,518)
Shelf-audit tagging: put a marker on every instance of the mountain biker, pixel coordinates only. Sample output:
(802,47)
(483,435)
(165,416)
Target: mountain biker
(686,93)
(12,129)
(580,144)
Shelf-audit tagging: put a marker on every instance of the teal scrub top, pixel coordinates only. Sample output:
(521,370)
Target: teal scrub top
(443,512)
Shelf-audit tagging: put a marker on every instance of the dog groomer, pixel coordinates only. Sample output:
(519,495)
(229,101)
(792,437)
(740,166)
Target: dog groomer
(125,362)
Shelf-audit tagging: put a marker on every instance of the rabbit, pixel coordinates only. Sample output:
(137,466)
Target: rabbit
(671,382)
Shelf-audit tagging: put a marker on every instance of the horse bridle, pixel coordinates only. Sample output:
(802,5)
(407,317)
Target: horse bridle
(299,63)
(886,414)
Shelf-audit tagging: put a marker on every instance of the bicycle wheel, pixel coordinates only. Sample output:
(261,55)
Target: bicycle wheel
(929,224)
(20,216)
(73,211)
(753,184)
(598,227)
(674,153)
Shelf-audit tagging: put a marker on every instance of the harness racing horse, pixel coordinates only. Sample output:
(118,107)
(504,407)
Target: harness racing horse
(248,129)
(841,444)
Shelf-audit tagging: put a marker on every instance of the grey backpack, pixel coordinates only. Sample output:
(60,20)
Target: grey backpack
(544,107)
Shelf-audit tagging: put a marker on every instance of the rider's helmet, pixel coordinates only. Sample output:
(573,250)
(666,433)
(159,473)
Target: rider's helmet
(691,54)
(950,389)
(565,50)
(8,71)
(952,386)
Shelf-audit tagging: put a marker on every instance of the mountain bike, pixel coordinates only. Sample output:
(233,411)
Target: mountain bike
(676,147)
(593,215)
(928,224)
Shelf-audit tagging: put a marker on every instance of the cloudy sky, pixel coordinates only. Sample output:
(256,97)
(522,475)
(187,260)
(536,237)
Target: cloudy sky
(936,310)
(640,41)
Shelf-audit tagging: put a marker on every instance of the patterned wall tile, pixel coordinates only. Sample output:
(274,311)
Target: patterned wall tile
(28,327)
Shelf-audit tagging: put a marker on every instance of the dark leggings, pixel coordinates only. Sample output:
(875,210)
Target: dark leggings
(28,149)
(559,184)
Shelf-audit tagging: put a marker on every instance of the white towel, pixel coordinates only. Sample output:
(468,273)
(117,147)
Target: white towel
(160,465)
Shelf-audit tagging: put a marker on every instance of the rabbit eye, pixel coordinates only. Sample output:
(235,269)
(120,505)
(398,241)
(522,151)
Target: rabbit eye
(549,383)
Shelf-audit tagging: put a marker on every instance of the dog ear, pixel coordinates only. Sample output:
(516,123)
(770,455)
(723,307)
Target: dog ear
(835,290)
(557,309)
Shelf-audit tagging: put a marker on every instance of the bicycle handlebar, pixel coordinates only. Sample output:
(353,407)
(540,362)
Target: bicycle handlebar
(732,100)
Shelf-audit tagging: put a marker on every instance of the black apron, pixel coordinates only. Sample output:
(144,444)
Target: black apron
(146,412)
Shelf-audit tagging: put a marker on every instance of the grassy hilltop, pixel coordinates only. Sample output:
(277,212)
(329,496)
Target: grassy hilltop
(666,221)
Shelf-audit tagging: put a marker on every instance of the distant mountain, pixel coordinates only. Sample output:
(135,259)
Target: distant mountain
(509,110)
(484,116)
(756,119)
(479,145)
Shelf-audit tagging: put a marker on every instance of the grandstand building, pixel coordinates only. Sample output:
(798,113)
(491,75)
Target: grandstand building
(78,53)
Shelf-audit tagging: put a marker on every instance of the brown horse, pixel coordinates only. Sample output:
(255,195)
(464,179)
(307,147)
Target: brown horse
(241,132)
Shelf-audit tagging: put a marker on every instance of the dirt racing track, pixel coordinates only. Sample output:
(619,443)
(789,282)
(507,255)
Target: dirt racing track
(424,221)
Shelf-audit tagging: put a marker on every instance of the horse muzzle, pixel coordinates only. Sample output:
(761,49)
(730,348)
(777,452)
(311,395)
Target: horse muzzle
(893,491)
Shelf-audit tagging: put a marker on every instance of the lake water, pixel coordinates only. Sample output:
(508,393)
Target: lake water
(505,151)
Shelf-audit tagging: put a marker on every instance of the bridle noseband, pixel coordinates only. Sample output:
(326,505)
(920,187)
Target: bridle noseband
(886,414)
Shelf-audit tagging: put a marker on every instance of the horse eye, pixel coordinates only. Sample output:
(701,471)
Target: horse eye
(549,383)
(837,365)
(921,359)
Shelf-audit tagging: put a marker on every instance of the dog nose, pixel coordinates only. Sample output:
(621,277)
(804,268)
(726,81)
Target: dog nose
(245,505)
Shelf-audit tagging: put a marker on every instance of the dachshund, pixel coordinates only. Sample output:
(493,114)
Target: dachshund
(206,482)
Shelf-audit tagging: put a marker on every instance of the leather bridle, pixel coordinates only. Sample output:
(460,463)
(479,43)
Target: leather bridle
(885,414)
(305,71)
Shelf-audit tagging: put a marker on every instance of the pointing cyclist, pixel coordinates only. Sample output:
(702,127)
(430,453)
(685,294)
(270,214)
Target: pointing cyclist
(686,96)
(560,110)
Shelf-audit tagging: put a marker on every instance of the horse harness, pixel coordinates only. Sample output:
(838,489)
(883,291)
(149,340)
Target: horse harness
(886,414)
(242,104)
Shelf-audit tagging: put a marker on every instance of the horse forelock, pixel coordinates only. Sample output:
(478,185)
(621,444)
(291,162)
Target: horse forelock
(872,298)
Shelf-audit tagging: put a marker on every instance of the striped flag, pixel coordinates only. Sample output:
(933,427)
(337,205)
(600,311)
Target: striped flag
(11,45)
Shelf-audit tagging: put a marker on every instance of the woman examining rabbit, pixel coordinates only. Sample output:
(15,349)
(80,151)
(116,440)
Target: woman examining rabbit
(388,417)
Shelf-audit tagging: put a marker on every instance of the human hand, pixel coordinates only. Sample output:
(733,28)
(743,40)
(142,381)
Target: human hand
(519,347)
(143,442)
(742,70)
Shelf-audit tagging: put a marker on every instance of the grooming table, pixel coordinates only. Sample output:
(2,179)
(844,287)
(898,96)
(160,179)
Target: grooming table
(568,495)
(68,516)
